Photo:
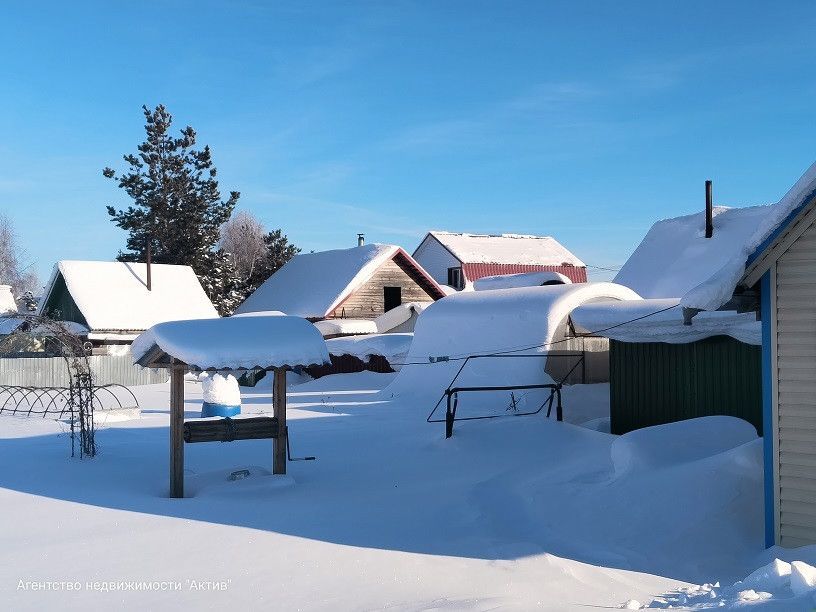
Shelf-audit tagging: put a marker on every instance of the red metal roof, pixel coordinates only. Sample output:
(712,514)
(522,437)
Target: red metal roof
(473,271)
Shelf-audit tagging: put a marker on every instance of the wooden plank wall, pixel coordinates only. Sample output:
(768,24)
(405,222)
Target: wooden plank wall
(368,301)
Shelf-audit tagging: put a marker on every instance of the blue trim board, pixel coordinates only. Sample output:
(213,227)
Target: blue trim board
(780,228)
(767,407)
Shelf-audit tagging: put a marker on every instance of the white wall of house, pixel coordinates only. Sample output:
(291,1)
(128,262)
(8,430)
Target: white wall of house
(436,259)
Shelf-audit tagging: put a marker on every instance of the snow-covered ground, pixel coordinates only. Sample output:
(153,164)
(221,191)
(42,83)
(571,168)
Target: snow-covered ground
(512,513)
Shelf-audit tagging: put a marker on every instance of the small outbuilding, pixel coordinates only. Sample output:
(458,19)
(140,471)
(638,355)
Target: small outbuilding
(363,282)
(459,259)
(661,370)
(112,302)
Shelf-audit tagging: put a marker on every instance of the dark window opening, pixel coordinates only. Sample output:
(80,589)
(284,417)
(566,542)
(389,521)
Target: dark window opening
(392,296)
(455,278)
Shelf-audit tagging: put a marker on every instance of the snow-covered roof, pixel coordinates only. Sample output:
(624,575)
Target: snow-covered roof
(312,285)
(524,279)
(337,327)
(718,288)
(675,256)
(232,343)
(10,323)
(394,347)
(113,295)
(7,303)
(660,320)
(506,249)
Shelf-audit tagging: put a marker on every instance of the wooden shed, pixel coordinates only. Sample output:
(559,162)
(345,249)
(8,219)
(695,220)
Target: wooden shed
(363,282)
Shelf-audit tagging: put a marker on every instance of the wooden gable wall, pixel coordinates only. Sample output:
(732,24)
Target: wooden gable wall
(368,301)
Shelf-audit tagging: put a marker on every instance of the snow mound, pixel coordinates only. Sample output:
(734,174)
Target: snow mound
(789,586)
(345,327)
(523,279)
(681,442)
(218,389)
(510,322)
(394,347)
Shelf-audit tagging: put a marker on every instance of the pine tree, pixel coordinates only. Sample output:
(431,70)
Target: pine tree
(177,206)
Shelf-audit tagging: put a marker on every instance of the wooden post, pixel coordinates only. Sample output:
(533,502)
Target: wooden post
(279,411)
(177,431)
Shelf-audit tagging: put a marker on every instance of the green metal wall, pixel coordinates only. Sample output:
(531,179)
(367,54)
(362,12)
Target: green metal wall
(61,305)
(655,383)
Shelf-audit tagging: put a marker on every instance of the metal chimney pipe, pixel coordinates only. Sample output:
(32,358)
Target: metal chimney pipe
(149,261)
(360,239)
(709,228)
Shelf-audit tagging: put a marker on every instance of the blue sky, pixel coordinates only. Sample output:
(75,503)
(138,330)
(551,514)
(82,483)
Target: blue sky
(586,121)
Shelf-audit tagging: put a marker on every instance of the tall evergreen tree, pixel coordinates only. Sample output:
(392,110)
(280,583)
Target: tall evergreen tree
(177,206)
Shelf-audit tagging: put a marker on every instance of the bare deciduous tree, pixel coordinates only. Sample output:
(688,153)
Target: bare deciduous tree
(243,238)
(15,269)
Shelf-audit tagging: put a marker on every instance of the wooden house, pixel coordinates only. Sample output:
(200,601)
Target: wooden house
(111,302)
(360,283)
(458,259)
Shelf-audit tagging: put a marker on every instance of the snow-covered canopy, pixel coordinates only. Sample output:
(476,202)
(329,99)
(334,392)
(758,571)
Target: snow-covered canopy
(312,285)
(506,249)
(113,296)
(232,343)
(660,320)
(524,279)
(675,256)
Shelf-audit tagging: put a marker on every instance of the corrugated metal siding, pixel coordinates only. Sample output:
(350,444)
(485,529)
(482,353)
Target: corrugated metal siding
(474,271)
(796,391)
(655,383)
(53,371)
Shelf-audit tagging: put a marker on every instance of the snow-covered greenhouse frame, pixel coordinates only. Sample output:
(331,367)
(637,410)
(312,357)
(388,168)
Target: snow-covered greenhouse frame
(277,343)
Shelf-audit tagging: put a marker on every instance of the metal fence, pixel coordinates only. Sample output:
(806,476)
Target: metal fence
(53,371)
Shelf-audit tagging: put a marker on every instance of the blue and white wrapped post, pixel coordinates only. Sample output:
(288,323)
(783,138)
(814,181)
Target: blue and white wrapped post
(222,396)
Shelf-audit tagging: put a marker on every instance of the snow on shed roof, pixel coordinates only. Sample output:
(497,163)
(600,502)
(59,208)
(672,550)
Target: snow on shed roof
(506,249)
(113,295)
(232,343)
(312,285)
(718,288)
(660,320)
(675,256)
